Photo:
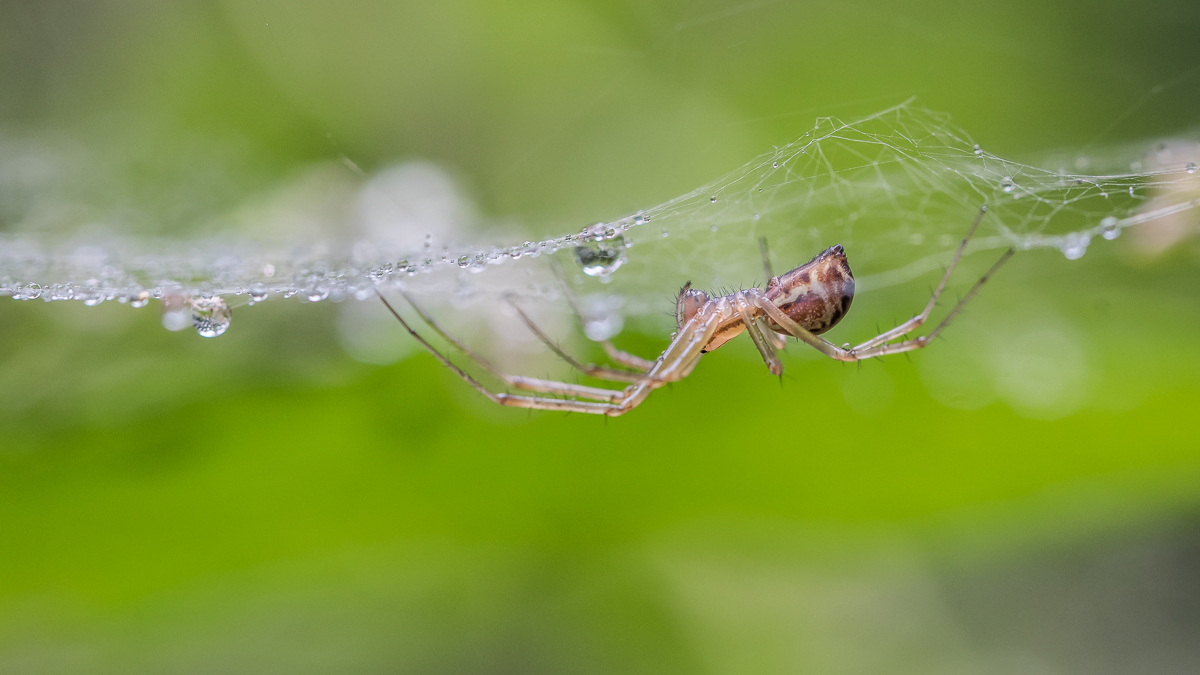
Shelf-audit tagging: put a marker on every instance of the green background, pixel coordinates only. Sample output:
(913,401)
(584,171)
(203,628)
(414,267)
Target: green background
(262,503)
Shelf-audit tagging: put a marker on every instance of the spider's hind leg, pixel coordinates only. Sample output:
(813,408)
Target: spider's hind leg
(915,322)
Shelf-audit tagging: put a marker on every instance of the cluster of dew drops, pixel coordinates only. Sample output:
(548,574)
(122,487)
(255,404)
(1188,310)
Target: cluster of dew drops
(599,250)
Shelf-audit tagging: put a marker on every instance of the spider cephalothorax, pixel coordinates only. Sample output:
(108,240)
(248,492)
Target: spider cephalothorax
(802,303)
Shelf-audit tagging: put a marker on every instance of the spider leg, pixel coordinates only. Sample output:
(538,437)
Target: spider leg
(678,360)
(926,340)
(625,358)
(514,381)
(536,402)
(915,322)
(619,356)
(766,257)
(744,310)
(592,370)
(777,340)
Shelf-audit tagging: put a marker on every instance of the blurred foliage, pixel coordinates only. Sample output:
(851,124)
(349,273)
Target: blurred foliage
(261,503)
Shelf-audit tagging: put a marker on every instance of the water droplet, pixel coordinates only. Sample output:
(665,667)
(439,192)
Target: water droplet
(978,150)
(140,300)
(29,292)
(1112,229)
(846,346)
(1191,167)
(775,165)
(713,199)
(1131,191)
(91,297)
(602,318)
(258,291)
(600,257)
(757,216)
(210,316)
(1008,185)
(1074,245)
(666,234)
(176,312)
(268,270)
(713,228)
(463,261)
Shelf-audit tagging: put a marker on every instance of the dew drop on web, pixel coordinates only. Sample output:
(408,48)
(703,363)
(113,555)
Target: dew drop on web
(601,251)
(1074,245)
(210,316)
(1110,228)
(603,320)
(1191,167)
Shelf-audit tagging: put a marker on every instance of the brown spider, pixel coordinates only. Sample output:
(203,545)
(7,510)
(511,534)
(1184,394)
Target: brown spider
(803,303)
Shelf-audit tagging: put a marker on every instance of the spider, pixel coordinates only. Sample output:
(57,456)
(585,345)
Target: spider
(803,303)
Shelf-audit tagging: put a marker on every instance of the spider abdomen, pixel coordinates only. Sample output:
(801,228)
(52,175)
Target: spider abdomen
(815,295)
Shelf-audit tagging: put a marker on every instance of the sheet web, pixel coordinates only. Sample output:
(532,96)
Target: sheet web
(896,189)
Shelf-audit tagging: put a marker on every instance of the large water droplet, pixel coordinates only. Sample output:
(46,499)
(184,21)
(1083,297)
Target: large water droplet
(1074,245)
(1111,228)
(1191,167)
(211,316)
(597,256)
(1008,185)
(978,150)
(258,291)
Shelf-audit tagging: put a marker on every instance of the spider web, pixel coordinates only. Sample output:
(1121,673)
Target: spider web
(897,189)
